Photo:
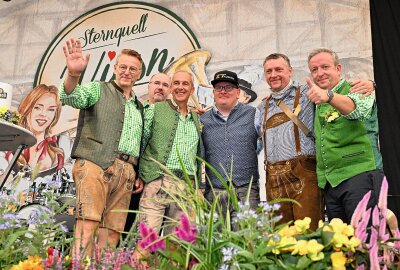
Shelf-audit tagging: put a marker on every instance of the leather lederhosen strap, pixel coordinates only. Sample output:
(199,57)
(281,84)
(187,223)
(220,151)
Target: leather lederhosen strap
(276,120)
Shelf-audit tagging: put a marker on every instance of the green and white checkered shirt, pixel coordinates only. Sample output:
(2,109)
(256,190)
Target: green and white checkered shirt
(185,141)
(363,104)
(85,96)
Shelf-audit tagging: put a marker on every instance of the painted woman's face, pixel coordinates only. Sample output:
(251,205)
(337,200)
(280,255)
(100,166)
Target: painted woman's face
(42,113)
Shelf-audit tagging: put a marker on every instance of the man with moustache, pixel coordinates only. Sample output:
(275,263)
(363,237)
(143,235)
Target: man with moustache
(285,123)
(172,132)
(349,163)
(106,147)
(158,89)
(230,145)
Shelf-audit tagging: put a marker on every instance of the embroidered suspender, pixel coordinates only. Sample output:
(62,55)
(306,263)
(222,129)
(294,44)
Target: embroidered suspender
(278,119)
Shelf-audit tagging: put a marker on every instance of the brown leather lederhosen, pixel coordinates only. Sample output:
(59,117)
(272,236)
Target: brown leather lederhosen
(294,179)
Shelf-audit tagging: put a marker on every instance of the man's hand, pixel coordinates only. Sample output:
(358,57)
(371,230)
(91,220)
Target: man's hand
(138,186)
(316,94)
(76,63)
(199,110)
(364,87)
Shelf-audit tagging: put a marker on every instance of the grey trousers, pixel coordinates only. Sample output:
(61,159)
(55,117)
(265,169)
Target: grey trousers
(224,203)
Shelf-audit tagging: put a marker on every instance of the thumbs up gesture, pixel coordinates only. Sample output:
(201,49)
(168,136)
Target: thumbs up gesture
(315,94)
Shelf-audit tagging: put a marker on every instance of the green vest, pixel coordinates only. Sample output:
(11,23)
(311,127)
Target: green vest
(344,148)
(163,131)
(100,127)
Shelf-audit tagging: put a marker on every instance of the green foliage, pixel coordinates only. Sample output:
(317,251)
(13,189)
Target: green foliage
(20,237)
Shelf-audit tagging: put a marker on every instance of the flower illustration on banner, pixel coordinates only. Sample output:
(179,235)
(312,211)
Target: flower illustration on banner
(8,115)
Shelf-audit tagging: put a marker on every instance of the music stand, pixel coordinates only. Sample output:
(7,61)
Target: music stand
(13,138)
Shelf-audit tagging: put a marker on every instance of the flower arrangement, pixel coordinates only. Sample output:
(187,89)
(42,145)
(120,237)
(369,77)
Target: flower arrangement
(331,115)
(258,243)
(207,241)
(24,239)
(8,115)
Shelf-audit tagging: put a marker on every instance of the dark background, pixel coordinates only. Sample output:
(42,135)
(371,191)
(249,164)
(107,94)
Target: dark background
(385,26)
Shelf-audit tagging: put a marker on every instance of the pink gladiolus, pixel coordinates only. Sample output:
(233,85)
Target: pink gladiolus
(186,231)
(375,217)
(373,257)
(360,267)
(360,209)
(383,236)
(150,239)
(373,241)
(382,203)
(387,257)
(361,227)
(396,244)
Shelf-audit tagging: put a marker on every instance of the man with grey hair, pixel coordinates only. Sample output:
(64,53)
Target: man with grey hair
(349,163)
(172,138)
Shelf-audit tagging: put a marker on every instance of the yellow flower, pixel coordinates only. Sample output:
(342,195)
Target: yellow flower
(3,109)
(32,263)
(87,262)
(12,208)
(353,243)
(330,119)
(287,244)
(321,224)
(331,116)
(337,225)
(288,231)
(300,248)
(338,261)
(348,230)
(314,250)
(302,225)
(339,240)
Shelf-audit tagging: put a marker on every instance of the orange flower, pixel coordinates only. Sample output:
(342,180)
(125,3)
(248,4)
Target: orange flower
(32,263)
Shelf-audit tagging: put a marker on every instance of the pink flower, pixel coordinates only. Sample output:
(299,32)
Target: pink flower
(373,257)
(186,231)
(373,241)
(360,267)
(382,203)
(361,227)
(150,239)
(192,263)
(360,210)
(396,244)
(124,256)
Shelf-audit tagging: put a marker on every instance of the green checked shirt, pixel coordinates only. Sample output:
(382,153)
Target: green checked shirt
(363,104)
(185,141)
(85,96)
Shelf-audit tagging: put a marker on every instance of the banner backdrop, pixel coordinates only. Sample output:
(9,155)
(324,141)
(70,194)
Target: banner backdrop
(224,34)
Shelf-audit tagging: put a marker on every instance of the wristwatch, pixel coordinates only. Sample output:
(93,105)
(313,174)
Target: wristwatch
(330,94)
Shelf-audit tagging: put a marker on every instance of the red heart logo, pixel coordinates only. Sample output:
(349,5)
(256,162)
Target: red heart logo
(111,55)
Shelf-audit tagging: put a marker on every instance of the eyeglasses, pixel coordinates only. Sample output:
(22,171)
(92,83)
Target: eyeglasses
(160,84)
(227,88)
(132,70)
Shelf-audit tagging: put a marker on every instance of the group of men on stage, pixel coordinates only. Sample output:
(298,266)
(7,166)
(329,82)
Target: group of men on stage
(320,142)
